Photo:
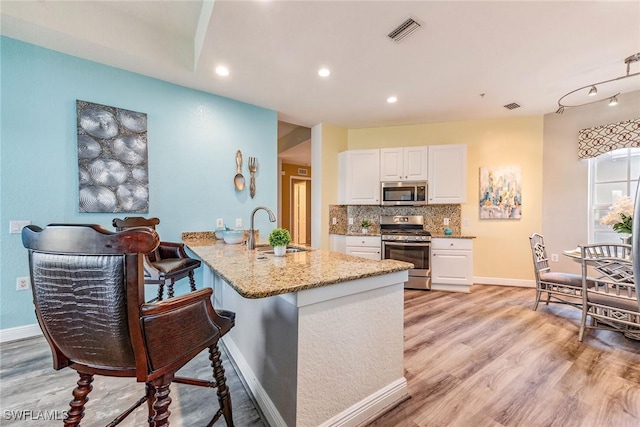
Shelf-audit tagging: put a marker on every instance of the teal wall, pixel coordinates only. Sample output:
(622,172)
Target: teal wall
(193,137)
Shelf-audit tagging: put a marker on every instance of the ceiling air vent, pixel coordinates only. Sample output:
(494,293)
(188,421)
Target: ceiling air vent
(404,30)
(512,106)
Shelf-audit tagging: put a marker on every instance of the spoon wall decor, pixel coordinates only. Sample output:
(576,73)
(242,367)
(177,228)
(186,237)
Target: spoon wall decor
(238,180)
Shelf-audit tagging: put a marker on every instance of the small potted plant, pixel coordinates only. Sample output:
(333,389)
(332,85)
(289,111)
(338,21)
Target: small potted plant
(279,239)
(365,224)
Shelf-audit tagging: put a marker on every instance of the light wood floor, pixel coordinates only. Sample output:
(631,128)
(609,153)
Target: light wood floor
(29,383)
(487,359)
(471,360)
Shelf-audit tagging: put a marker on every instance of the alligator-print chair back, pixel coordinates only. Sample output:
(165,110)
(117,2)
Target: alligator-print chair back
(559,287)
(165,265)
(88,291)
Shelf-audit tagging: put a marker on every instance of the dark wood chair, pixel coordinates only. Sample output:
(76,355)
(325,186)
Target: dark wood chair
(88,291)
(165,265)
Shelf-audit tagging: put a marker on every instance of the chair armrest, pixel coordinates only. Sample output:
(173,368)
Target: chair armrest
(176,303)
(171,250)
(177,329)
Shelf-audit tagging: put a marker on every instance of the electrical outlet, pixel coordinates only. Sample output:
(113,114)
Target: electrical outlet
(238,222)
(334,220)
(446,221)
(554,258)
(16,226)
(350,221)
(23,283)
(465,222)
(219,223)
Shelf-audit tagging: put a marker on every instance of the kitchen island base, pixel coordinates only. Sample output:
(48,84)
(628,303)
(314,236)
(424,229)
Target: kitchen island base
(328,356)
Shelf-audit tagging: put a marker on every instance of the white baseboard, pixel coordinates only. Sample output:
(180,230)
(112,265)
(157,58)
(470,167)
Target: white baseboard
(522,283)
(258,393)
(451,288)
(372,406)
(20,333)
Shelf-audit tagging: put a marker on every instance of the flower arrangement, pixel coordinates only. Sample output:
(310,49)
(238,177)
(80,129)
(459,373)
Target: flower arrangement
(620,215)
(279,237)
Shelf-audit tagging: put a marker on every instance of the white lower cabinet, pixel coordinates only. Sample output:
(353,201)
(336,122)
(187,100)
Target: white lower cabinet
(362,246)
(451,264)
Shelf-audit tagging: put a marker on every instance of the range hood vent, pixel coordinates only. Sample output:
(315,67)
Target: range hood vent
(404,30)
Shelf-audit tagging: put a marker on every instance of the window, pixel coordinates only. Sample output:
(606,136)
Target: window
(611,176)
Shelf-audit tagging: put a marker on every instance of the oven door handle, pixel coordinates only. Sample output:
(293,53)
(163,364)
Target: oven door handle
(407,244)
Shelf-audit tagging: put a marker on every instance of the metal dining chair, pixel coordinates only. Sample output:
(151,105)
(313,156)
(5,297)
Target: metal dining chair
(559,287)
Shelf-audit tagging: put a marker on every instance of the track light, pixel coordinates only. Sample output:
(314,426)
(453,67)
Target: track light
(593,90)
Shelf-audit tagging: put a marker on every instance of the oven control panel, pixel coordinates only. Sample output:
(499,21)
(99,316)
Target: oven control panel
(405,238)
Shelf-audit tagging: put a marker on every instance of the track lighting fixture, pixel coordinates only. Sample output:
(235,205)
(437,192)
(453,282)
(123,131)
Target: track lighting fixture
(593,88)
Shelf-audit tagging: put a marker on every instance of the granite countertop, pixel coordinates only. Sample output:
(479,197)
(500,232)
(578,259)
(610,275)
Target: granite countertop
(254,274)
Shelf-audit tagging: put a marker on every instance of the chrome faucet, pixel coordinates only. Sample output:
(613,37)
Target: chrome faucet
(251,242)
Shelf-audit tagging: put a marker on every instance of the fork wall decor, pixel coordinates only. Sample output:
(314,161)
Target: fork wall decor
(253,167)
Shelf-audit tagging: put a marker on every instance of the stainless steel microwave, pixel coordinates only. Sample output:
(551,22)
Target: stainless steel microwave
(403,193)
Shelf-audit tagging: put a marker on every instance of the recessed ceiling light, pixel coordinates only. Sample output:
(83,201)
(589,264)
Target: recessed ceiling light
(392,99)
(221,70)
(324,72)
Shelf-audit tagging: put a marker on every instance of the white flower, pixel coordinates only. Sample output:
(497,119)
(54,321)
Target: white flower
(620,215)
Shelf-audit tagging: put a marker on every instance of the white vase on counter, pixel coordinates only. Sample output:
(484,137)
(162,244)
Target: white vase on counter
(279,250)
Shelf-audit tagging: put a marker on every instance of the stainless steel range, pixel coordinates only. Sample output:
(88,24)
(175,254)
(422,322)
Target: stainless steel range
(405,239)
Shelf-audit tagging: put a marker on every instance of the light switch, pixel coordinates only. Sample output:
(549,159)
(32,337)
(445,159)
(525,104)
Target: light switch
(334,220)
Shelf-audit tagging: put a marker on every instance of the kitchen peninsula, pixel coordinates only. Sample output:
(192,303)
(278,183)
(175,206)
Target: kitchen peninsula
(319,335)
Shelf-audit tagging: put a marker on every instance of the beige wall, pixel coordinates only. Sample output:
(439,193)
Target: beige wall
(501,247)
(326,142)
(554,181)
(565,178)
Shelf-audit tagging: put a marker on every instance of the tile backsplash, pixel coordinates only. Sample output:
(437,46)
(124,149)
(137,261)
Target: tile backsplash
(434,216)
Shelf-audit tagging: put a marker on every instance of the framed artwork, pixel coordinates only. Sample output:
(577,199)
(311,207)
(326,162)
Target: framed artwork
(112,159)
(500,192)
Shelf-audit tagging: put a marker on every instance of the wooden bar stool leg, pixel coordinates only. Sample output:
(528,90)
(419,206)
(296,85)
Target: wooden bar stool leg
(221,381)
(160,291)
(192,281)
(79,399)
(162,401)
(170,290)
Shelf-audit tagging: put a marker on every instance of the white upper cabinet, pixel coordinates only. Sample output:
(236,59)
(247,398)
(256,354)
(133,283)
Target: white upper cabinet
(403,164)
(359,179)
(447,182)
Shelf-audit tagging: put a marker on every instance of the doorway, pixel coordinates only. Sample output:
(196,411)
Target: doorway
(300,210)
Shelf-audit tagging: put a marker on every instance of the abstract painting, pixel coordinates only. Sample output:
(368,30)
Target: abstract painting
(500,192)
(112,159)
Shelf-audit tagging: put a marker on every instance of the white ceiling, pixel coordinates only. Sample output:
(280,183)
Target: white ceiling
(526,52)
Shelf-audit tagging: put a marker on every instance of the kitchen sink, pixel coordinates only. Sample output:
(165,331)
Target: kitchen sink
(269,250)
